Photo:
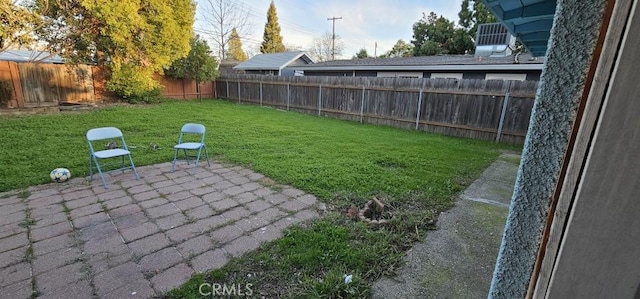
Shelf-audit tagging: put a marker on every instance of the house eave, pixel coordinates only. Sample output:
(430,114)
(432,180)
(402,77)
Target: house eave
(479,67)
(256,69)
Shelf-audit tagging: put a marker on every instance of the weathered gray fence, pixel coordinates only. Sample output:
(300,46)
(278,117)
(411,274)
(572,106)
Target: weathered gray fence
(482,109)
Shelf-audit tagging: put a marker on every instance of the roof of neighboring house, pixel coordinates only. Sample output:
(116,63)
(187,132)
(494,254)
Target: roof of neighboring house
(226,67)
(440,62)
(272,61)
(30,56)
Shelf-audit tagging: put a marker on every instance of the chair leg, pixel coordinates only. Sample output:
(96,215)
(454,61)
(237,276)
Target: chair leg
(207,155)
(195,168)
(104,183)
(175,157)
(90,168)
(132,167)
(186,155)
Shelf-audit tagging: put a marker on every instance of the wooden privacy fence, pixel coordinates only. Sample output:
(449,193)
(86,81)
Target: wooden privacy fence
(50,84)
(482,109)
(44,85)
(186,89)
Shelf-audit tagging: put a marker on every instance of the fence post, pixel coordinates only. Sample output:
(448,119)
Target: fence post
(419,104)
(261,93)
(319,99)
(238,91)
(505,103)
(227,88)
(288,95)
(362,103)
(184,92)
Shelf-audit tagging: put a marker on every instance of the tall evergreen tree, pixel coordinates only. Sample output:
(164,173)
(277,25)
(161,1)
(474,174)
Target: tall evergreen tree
(235,47)
(465,15)
(272,40)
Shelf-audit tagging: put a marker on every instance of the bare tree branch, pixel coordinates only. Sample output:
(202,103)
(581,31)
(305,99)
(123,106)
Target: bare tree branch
(322,46)
(222,16)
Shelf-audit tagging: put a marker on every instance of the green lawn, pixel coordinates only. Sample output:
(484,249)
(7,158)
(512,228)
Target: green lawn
(342,163)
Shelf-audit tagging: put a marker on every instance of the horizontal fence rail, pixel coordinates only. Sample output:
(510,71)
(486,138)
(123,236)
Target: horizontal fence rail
(481,109)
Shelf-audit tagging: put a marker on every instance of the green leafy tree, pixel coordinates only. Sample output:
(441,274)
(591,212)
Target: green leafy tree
(400,49)
(461,42)
(361,54)
(17,24)
(430,48)
(435,35)
(272,40)
(472,13)
(199,65)
(130,40)
(481,15)
(235,47)
(431,35)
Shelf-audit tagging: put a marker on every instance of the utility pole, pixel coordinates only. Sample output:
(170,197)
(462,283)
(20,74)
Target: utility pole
(375,51)
(333,40)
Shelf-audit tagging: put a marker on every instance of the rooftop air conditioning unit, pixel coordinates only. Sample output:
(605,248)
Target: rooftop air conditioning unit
(494,40)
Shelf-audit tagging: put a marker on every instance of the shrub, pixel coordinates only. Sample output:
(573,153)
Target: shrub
(6,92)
(134,84)
(145,97)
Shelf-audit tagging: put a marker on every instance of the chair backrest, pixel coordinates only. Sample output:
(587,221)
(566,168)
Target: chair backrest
(189,128)
(103,133)
(193,129)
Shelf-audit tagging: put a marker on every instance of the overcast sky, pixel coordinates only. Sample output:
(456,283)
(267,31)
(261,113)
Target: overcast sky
(363,23)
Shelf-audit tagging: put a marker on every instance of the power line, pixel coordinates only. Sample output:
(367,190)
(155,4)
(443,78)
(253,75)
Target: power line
(285,22)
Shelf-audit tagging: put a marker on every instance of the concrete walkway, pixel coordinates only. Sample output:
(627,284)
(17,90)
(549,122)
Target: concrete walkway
(138,238)
(457,260)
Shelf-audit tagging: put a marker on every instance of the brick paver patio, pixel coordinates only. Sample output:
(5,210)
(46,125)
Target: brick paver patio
(138,238)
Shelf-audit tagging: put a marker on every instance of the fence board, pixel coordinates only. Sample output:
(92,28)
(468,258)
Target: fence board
(9,73)
(50,84)
(41,84)
(185,89)
(466,108)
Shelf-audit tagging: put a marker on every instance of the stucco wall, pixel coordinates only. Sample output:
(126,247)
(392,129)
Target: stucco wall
(569,55)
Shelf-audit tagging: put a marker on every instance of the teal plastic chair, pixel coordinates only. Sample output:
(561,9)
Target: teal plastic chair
(109,154)
(191,140)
